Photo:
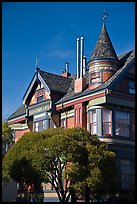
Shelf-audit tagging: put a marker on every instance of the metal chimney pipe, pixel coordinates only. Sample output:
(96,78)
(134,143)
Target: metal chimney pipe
(84,64)
(78,58)
(81,57)
(67,67)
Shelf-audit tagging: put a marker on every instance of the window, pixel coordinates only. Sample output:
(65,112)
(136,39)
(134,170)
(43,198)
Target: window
(40,98)
(95,77)
(127,174)
(76,116)
(39,125)
(133,125)
(132,87)
(122,123)
(40,95)
(80,115)
(106,119)
(63,123)
(93,125)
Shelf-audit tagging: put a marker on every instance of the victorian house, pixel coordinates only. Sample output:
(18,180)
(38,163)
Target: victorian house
(101,98)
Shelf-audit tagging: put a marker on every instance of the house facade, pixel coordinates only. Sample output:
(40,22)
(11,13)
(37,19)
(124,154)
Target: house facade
(101,98)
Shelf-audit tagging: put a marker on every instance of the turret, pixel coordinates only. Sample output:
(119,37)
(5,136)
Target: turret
(103,62)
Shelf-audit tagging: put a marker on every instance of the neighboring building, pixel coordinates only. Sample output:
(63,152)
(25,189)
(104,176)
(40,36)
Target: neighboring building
(101,98)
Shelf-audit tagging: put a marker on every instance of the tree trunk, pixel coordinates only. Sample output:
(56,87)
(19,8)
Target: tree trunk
(87,195)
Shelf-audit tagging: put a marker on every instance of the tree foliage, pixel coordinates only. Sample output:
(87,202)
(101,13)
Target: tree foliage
(53,155)
(7,138)
(6,133)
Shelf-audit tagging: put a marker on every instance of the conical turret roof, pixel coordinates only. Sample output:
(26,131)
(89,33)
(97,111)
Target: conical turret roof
(104,47)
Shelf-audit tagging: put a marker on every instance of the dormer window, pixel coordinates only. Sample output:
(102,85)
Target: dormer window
(40,95)
(132,87)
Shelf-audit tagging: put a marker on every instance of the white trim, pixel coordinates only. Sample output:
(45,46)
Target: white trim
(43,82)
(69,114)
(94,107)
(32,84)
(17,118)
(19,126)
(29,89)
(39,115)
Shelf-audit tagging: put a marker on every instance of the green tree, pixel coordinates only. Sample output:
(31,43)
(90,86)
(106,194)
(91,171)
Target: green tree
(96,176)
(7,138)
(58,154)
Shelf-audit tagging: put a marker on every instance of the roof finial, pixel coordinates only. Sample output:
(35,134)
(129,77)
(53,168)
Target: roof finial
(104,16)
(36,63)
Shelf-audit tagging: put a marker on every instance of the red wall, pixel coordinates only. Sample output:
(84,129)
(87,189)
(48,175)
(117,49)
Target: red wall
(106,75)
(122,86)
(70,122)
(81,122)
(19,133)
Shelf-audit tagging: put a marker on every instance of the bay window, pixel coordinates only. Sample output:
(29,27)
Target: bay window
(122,120)
(39,125)
(107,122)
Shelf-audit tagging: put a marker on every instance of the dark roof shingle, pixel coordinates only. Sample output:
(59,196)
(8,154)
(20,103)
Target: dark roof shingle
(125,60)
(20,111)
(55,82)
(104,47)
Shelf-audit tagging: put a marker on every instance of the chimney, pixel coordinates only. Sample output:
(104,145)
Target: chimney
(84,64)
(81,57)
(78,58)
(67,67)
(80,82)
(66,70)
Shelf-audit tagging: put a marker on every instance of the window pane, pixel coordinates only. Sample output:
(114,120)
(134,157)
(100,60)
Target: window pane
(132,87)
(122,123)
(127,174)
(40,98)
(93,125)
(93,128)
(39,125)
(95,77)
(63,123)
(107,124)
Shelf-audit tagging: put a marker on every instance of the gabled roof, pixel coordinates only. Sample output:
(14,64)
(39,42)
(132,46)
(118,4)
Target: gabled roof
(126,61)
(56,82)
(104,47)
(51,82)
(20,111)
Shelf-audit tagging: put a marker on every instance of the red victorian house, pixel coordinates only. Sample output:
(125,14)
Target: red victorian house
(101,98)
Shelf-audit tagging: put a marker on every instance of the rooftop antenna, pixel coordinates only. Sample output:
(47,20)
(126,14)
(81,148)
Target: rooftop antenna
(104,16)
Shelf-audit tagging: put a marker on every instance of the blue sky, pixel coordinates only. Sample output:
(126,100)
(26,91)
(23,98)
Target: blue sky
(48,31)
